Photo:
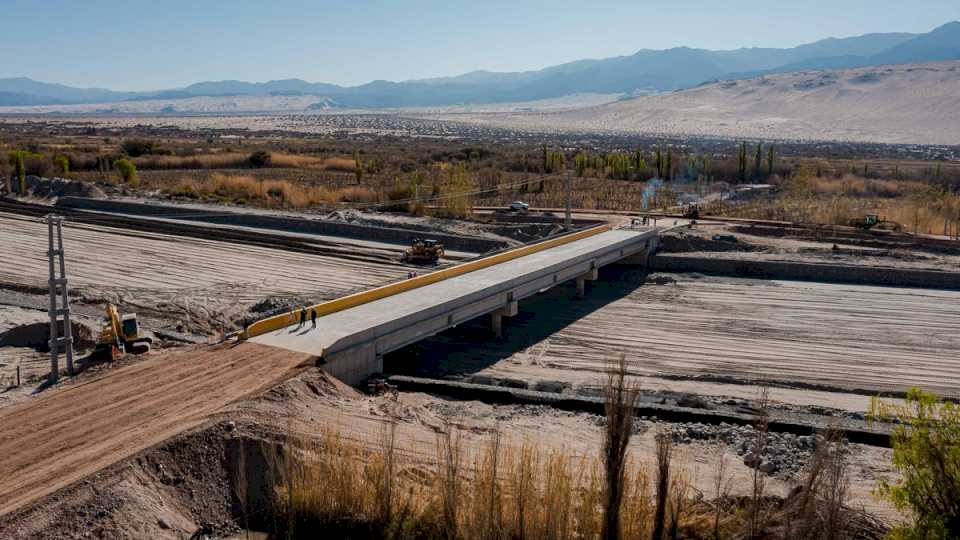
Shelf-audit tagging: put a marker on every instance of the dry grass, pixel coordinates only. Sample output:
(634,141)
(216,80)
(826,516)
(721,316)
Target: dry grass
(234,160)
(245,189)
(915,206)
(220,160)
(496,490)
(620,403)
(503,491)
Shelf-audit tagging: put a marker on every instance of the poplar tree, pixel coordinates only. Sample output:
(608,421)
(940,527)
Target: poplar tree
(742,162)
(357,167)
(758,161)
(21,172)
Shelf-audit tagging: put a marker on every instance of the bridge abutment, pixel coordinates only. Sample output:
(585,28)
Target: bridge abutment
(355,365)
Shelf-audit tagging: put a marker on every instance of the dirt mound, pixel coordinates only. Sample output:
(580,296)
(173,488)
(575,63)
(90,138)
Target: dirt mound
(37,336)
(50,188)
(176,489)
(312,384)
(687,243)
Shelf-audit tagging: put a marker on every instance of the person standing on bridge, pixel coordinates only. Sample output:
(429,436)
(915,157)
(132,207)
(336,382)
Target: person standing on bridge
(313,317)
(303,317)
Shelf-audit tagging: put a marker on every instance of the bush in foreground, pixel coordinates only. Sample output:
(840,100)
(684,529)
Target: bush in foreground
(926,452)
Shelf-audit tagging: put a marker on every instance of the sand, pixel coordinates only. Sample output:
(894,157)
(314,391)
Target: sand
(900,104)
(179,276)
(720,333)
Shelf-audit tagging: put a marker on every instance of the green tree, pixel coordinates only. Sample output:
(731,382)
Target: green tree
(658,162)
(668,170)
(926,453)
(580,162)
(758,161)
(456,193)
(20,170)
(63,163)
(128,172)
(742,162)
(357,167)
(770,160)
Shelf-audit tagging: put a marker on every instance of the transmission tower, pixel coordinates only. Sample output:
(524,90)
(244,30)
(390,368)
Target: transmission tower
(59,300)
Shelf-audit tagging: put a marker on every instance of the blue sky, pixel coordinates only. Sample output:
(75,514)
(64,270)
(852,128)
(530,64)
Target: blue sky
(139,45)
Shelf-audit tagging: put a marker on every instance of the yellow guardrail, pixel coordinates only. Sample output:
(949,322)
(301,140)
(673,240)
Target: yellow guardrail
(283,320)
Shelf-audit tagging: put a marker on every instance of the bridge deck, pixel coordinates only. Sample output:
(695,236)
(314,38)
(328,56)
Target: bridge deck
(364,323)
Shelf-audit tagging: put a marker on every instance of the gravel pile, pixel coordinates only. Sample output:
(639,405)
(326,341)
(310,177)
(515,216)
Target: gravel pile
(782,454)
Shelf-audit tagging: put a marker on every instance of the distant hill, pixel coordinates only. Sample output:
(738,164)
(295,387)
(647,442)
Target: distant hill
(647,71)
(908,104)
(941,44)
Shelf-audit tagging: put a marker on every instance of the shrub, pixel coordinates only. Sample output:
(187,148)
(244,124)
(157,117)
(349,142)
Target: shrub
(137,147)
(127,170)
(62,163)
(926,452)
(19,170)
(36,164)
(260,158)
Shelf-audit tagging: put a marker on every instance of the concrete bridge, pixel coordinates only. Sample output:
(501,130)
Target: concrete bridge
(354,332)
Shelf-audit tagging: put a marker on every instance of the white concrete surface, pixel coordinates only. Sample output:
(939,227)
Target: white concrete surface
(416,314)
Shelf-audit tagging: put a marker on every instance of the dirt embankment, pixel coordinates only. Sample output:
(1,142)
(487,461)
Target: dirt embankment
(72,431)
(214,479)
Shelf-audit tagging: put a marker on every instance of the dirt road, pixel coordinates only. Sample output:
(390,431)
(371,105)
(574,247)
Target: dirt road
(70,432)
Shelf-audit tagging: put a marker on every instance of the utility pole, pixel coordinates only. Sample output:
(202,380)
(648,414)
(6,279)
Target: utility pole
(568,221)
(58,307)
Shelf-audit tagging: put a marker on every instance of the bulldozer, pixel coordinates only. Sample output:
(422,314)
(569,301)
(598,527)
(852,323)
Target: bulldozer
(423,251)
(121,334)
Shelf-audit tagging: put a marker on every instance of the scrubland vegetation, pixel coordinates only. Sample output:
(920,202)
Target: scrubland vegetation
(502,488)
(413,176)
(911,205)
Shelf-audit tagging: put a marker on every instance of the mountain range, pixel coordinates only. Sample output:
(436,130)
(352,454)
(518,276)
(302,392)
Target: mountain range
(645,72)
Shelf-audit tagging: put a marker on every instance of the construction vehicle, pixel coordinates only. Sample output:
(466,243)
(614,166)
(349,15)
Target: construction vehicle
(121,334)
(871,221)
(423,251)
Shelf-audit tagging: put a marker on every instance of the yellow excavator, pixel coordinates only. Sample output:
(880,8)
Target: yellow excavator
(121,334)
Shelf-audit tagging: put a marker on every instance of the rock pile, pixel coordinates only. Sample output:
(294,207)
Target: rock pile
(778,454)
(50,188)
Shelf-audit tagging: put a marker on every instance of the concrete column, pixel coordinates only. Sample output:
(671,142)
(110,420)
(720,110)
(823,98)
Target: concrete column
(496,317)
(582,280)
(496,324)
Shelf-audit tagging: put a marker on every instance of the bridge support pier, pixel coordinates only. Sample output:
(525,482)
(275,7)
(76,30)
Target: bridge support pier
(496,317)
(582,280)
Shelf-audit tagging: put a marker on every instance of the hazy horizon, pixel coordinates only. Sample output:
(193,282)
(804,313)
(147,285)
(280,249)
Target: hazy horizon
(109,44)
